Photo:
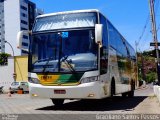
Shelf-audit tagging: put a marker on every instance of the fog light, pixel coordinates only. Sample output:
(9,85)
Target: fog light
(34,95)
(91,95)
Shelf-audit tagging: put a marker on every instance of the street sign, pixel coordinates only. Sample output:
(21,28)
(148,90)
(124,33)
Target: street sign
(153,44)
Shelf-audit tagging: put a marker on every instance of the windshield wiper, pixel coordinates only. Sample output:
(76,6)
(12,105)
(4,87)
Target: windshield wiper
(68,63)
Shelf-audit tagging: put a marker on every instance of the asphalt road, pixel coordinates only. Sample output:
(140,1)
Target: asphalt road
(26,108)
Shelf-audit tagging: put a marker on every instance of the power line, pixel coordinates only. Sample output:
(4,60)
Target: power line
(144,29)
(158,28)
(146,37)
(156,6)
(146,23)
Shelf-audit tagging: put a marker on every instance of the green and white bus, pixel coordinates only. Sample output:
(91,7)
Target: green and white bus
(79,55)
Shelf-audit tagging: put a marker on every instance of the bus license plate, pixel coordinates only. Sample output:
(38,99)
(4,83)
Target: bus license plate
(59,91)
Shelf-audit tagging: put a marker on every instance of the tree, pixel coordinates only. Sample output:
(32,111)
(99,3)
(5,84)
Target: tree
(4,58)
(151,76)
(149,66)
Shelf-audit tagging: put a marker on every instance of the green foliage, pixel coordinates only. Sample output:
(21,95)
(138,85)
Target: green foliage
(151,53)
(150,77)
(4,58)
(147,66)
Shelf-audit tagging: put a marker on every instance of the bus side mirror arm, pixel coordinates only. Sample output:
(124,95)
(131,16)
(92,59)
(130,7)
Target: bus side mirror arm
(98,34)
(26,50)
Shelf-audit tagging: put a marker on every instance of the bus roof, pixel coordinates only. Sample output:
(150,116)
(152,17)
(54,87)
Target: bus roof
(68,12)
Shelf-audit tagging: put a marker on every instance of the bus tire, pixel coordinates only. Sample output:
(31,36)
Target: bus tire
(131,93)
(112,87)
(58,102)
(124,94)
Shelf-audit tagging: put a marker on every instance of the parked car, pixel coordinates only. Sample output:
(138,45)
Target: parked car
(15,86)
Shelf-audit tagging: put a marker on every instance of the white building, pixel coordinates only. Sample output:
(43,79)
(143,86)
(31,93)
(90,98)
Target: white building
(39,12)
(2,44)
(16,15)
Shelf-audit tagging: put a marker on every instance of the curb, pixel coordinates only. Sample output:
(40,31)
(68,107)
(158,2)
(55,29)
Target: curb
(156,90)
(143,87)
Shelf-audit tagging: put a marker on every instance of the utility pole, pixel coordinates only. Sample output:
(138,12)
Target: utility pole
(142,69)
(154,34)
(137,68)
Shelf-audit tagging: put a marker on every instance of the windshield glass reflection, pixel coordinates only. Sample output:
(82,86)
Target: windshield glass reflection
(68,51)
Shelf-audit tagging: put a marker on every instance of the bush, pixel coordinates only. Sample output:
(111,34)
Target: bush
(150,77)
(4,58)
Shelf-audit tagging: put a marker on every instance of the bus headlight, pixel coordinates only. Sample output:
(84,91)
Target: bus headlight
(33,80)
(89,79)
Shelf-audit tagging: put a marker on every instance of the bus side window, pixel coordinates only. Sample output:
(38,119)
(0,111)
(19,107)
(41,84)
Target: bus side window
(103,50)
(103,60)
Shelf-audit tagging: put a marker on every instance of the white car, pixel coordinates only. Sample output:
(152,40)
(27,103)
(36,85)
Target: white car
(15,86)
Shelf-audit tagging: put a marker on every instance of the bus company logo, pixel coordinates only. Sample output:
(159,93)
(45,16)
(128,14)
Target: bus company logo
(46,77)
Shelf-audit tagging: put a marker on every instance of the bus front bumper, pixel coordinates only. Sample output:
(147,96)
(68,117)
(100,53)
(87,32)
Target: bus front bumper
(93,90)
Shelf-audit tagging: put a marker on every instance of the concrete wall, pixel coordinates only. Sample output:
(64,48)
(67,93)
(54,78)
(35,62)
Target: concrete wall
(6,74)
(21,68)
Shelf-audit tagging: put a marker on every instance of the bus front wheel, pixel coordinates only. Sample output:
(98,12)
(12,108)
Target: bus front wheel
(113,87)
(58,102)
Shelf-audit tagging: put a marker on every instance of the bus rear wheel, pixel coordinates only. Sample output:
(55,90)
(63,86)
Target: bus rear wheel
(58,102)
(124,94)
(112,87)
(131,93)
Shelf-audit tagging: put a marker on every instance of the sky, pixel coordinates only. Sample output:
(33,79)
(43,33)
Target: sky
(129,16)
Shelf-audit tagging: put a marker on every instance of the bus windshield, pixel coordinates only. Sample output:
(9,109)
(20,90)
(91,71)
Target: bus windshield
(65,51)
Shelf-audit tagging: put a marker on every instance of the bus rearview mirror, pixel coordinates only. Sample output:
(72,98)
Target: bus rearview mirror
(98,33)
(20,37)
